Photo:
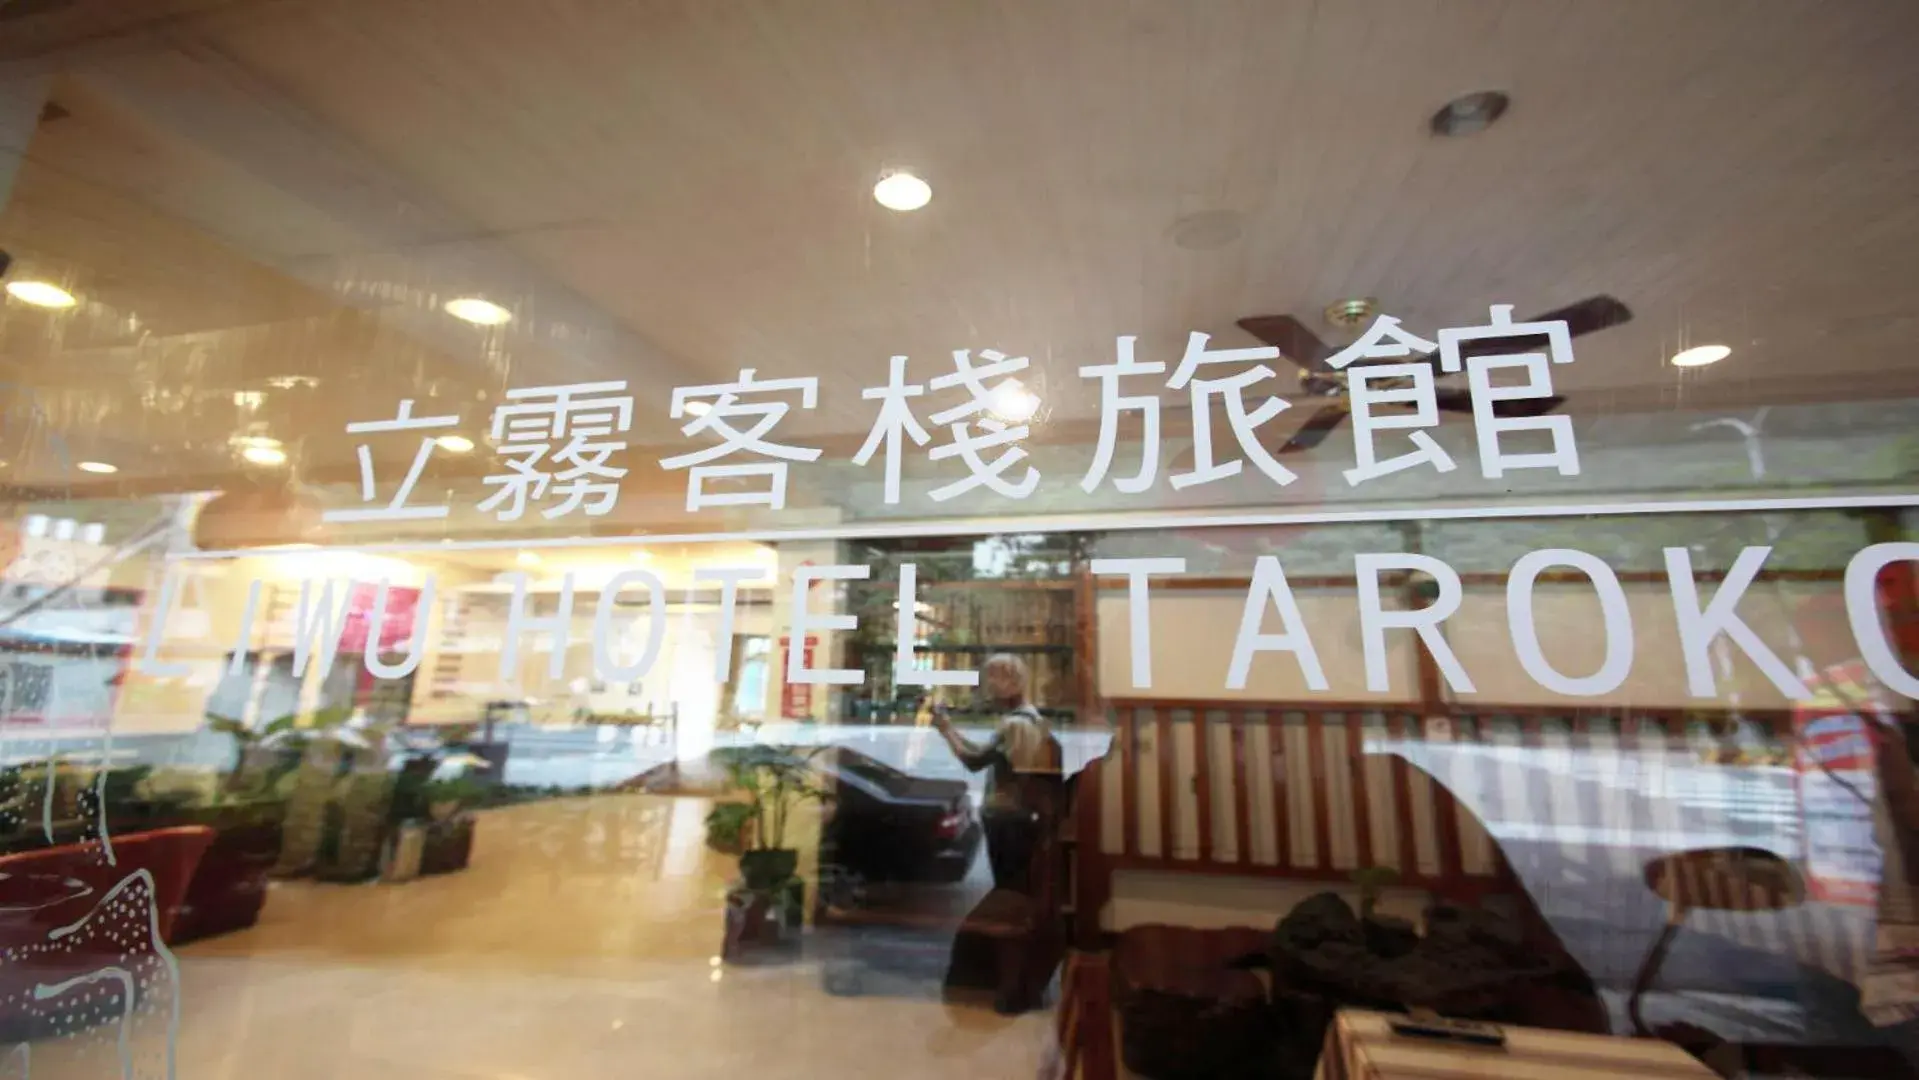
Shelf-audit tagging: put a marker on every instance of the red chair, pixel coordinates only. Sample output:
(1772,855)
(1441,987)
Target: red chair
(69,919)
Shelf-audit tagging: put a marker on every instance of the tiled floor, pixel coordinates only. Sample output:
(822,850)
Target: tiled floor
(581,943)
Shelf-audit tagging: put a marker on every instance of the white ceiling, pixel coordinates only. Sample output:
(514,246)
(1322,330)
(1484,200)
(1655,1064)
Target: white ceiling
(668,192)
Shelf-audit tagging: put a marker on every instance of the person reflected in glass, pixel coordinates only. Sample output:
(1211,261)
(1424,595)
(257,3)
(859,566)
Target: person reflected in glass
(1023,757)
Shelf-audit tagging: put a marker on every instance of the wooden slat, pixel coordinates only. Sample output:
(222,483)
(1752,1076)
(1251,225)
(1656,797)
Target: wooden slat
(1203,781)
(1282,790)
(1316,754)
(1242,793)
(1362,790)
(1129,780)
(1405,727)
(1164,736)
(1446,825)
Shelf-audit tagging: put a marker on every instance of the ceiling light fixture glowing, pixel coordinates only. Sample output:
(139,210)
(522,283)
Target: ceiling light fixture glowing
(527,558)
(264,455)
(1013,402)
(40,294)
(1700,355)
(477,311)
(902,191)
(97,467)
(697,408)
(454,444)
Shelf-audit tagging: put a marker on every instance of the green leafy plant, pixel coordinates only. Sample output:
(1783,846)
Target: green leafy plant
(775,781)
(727,826)
(447,796)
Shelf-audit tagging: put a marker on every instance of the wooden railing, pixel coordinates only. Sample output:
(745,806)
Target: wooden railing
(1291,791)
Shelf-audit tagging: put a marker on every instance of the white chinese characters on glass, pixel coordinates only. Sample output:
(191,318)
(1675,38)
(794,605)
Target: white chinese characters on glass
(722,406)
(1488,425)
(1406,384)
(1231,391)
(396,508)
(581,419)
(895,419)
(1112,406)
(990,418)
(982,406)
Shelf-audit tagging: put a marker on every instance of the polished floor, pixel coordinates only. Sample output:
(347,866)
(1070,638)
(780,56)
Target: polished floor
(581,943)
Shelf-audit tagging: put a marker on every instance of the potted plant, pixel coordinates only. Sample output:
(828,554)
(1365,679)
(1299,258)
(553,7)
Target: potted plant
(767,905)
(775,781)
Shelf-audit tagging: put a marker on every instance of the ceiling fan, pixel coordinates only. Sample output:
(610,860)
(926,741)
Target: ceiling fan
(1316,378)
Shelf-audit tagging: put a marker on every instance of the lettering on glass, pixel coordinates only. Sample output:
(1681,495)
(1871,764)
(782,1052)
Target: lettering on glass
(991,419)
(396,509)
(1400,385)
(713,410)
(1229,390)
(1271,623)
(1537,369)
(1113,405)
(558,443)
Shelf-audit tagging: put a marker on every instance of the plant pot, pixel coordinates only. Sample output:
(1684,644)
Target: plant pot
(764,924)
(764,868)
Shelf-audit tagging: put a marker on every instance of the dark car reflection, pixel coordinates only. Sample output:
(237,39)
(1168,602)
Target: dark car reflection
(885,825)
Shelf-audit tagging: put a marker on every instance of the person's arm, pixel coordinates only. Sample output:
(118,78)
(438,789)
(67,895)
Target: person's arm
(970,754)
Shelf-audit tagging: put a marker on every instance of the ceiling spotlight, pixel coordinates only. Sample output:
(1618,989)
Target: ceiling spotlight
(477,311)
(902,191)
(40,294)
(1700,355)
(697,408)
(1012,402)
(97,467)
(1469,113)
(527,558)
(454,444)
(264,455)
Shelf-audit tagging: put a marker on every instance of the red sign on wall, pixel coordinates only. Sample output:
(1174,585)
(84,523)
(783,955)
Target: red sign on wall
(796,699)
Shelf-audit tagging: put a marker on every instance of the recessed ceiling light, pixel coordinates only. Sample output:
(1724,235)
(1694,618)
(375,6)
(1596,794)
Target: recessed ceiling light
(902,191)
(527,558)
(1469,113)
(40,294)
(1207,230)
(1700,355)
(97,467)
(454,444)
(697,408)
(477,311)
(264,455)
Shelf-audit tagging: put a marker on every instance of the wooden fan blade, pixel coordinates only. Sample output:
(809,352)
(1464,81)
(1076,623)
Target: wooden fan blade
(1315,429)
(1291,338)
(1461,401)
(1587,316)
